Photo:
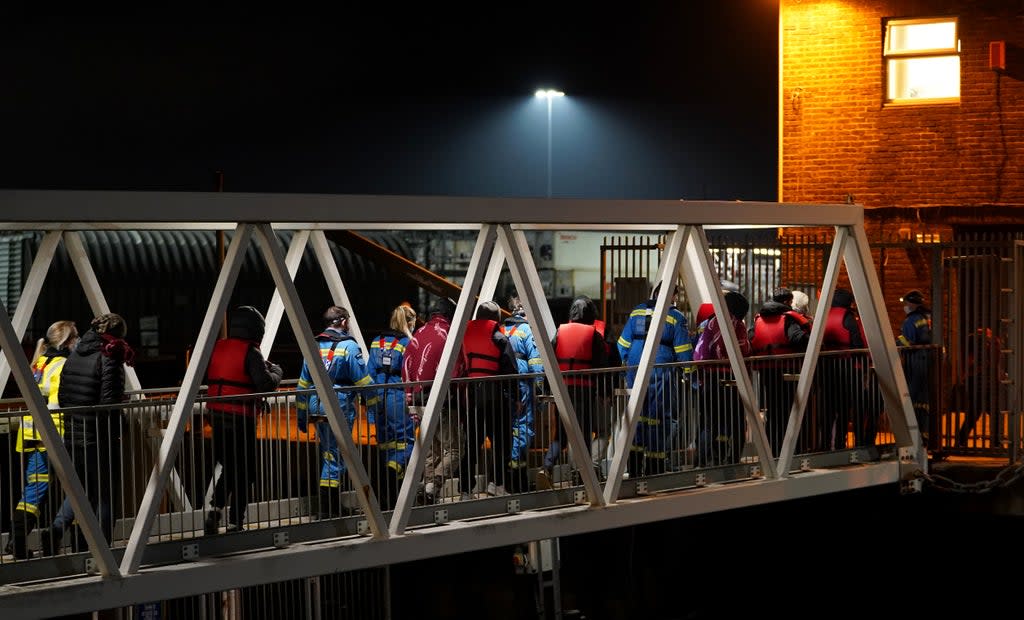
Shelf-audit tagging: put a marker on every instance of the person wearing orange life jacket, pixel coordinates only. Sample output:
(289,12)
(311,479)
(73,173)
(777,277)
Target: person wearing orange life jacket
(579,345)
(648,454)
(237,369)
(528,361)
(345,365)
(841,375)
(778,330)
(396,429)
(491,404)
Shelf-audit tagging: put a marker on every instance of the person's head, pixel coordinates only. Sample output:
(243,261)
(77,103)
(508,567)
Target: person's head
(111,324)
(783,296)
(488,311)
(247,323)
(801,302)
(737,304)
(912,300)
(583,310)
(443,306)
(515,305)
(403,319)
(336,317)
(61,336)
(657,289)
(842,298)
(704,312)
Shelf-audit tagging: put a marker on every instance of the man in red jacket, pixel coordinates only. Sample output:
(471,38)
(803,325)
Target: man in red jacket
(422,356)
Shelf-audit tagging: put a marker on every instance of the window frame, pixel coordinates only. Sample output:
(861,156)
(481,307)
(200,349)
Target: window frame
(889,55)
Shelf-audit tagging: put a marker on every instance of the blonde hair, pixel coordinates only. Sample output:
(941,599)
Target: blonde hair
(60,335)
(402,319)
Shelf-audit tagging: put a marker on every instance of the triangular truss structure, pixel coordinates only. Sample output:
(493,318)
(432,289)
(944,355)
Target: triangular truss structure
(501,224)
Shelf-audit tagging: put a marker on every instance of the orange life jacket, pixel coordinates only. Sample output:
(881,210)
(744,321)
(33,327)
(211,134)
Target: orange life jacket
(227,376)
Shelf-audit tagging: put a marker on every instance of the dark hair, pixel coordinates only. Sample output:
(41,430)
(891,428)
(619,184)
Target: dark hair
(443,306)
(782,296)
(842,298)
(737,304)
(657,287)
(515,305)
(488,311)
(583,310)
(334,315)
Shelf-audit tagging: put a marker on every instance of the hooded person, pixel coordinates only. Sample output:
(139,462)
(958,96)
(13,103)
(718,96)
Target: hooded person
(236,375)
(578,346)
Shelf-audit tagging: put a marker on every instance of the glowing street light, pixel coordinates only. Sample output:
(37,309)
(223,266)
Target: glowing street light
(550,95)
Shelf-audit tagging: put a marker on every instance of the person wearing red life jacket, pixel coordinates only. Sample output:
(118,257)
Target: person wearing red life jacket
(492,404)
(579,345)
(778,330)
(841,374)
(238,370)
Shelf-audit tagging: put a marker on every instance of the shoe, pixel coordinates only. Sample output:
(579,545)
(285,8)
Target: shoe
(212,525)
(50,541)
(233,527)
(543,480)
(496,490)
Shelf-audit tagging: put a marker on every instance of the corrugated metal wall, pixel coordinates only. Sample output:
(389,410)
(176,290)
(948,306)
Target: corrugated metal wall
(162,280)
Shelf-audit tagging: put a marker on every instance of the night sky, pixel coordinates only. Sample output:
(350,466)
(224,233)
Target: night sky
(670,100)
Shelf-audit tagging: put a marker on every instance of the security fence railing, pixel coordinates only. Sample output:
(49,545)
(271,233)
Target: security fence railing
(500,448)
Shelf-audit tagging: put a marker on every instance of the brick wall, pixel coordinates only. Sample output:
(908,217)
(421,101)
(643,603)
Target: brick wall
(840,140)
(841,143)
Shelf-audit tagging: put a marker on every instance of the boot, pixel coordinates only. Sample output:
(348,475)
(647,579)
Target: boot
(50,540)
(212,525)
(635,464)
(330,503)
(22,523)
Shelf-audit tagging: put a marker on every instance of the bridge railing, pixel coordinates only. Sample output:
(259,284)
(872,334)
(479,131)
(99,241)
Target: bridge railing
(604,498)
(692,433)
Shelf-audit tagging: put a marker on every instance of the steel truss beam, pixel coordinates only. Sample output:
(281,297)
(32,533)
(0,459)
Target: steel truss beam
(500,223)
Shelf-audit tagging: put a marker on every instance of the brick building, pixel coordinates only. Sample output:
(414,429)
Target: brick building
(861,122)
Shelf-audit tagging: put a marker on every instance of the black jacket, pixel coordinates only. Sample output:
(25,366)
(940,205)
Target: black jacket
(93,375)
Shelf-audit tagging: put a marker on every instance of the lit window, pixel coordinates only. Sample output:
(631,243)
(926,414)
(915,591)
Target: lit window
(922,58)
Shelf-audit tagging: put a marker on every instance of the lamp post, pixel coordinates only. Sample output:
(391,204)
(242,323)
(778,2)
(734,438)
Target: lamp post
(550,95)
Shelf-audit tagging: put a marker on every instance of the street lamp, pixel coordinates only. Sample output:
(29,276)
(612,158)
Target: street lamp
(550,95)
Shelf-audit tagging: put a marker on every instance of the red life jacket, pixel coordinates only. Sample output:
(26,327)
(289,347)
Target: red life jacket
(482,355)
(227,376)
(836,337)
(770,335)
(574,349)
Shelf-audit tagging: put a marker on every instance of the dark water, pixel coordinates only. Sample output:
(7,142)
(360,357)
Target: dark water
(859,553)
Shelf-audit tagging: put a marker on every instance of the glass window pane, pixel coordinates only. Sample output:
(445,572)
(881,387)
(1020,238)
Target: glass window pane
(924,78)
(927,36)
